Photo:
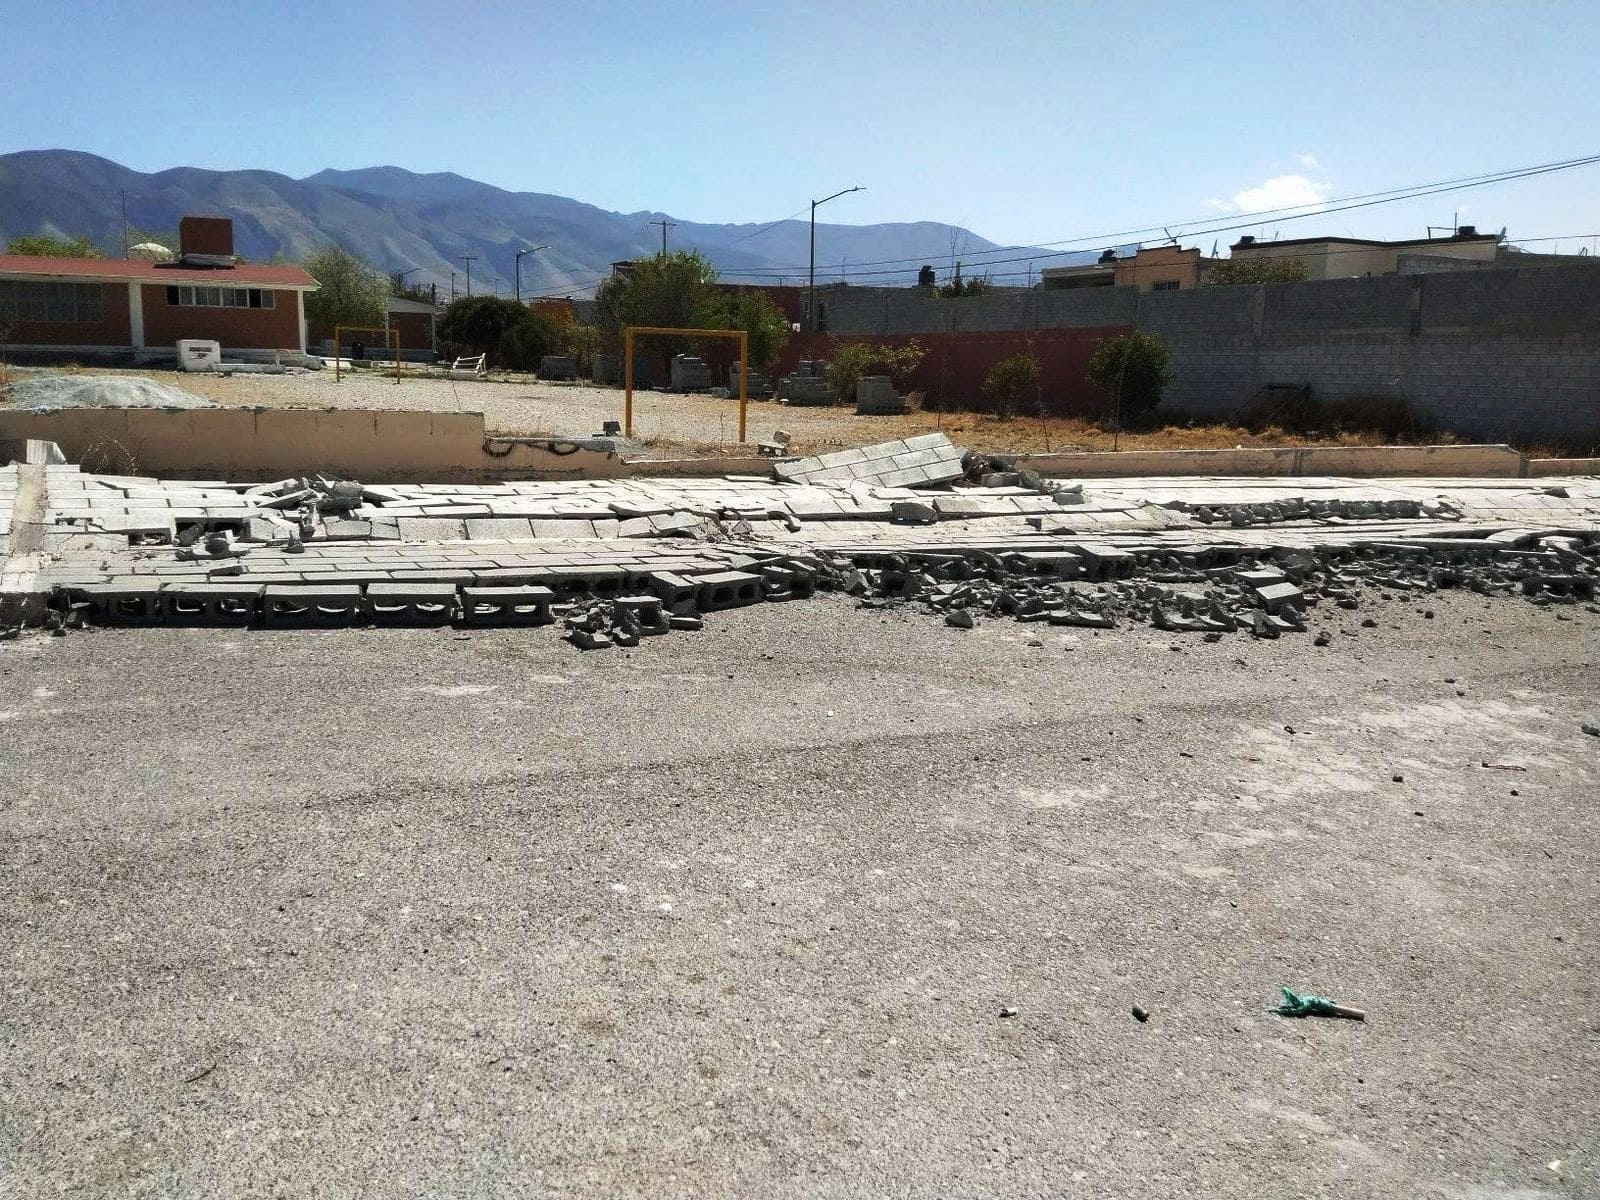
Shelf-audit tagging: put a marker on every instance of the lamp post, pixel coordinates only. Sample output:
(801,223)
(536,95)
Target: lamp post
(811,289)
(469,259)
(400,278)
(520,253)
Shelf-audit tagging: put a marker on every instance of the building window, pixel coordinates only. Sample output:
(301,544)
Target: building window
(73,303)
(1165,285)
(220,297)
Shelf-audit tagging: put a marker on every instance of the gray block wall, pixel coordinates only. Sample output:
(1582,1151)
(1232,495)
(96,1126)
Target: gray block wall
(1510,354)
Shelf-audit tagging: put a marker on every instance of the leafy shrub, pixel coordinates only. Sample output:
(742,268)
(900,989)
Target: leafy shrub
(1131,370)
(1010,382)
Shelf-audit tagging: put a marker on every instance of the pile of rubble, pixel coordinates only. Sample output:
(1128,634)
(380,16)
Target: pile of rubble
(1266,595)
(917,524)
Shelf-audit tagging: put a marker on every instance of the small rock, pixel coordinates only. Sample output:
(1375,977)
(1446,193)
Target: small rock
(1140,1015)
(1369,623)
(682,621)
(1398,778)
(1007,1013)
(1591,730)
(959,619)
(1322,639)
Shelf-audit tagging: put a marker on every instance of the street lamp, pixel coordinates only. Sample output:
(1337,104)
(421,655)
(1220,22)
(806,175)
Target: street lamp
(812,286)
(400,278)
(520,253)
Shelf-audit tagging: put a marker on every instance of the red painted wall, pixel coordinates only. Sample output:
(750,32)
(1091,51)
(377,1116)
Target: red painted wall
(953,370)
(111,330)
(236,328)
(415,329)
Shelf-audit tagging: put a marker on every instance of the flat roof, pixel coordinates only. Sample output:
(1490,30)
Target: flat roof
(1349,241)
(133,270)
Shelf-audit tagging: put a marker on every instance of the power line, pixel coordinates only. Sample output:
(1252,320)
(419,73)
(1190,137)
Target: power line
(765,228)
(1287,213)
(1209,225)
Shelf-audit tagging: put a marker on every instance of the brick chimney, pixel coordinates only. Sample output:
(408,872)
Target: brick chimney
(206,235)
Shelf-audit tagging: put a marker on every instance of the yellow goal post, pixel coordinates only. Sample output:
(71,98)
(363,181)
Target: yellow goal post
(627,366)
(391,338)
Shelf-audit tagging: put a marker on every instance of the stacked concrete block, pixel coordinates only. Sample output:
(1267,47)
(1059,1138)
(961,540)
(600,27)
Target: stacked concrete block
(875,397)
(929,458)
(558,366)
(606,368)
(690,373)
(804,390)
(759,384)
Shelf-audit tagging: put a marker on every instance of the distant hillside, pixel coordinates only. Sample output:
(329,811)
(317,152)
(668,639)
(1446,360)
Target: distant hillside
(398,220)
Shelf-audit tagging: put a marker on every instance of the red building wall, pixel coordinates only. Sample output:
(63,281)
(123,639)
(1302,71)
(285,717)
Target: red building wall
(954,367)
(113,329)
(415,329)
(236,328)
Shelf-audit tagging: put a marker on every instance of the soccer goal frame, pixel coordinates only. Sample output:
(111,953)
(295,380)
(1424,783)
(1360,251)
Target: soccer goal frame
(627,367)
(391,339)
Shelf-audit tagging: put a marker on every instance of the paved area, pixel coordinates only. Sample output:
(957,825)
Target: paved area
(388,913)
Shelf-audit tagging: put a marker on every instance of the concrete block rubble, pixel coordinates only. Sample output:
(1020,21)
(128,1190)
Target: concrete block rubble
(901,525)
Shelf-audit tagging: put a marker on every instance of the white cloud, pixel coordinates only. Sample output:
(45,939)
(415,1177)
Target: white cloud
(1307,160)
(1281,191)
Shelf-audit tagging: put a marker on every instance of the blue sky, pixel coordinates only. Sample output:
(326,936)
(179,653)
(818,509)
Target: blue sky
(1025,122)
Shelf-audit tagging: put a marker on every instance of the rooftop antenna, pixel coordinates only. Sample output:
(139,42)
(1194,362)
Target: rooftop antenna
(1168,232)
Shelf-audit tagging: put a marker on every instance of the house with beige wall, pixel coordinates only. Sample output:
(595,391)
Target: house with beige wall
(1345,258)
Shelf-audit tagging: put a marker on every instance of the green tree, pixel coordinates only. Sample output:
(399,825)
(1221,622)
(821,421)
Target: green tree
(851,360)
(754,312)
(1255,270)
(529,340)
(582,342)
(1131,370)
(46,245)
(478,323)
(667,291)
(1011,381)
(349,292)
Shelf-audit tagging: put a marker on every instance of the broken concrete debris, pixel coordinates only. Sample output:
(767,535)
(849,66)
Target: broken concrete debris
(1208,557)
(929,458)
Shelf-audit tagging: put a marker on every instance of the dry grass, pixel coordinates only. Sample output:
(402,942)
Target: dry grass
(1054,435)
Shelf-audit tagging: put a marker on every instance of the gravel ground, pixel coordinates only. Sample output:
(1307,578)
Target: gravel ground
(400,913)
(530,407)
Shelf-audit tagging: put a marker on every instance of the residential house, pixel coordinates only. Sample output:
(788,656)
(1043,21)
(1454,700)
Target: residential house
(142,309)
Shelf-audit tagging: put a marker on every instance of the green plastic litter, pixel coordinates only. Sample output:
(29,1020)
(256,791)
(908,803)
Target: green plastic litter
(1304,1006)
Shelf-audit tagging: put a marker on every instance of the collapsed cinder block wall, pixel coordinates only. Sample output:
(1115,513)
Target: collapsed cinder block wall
(1503,354)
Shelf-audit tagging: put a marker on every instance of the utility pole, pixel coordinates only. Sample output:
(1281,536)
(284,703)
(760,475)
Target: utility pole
(469,259)
(520,253)
(665,225)
(811,287)
(452,287)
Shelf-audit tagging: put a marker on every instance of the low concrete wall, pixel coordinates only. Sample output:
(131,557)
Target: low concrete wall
(1465,461)
(271,443)
(1564,466)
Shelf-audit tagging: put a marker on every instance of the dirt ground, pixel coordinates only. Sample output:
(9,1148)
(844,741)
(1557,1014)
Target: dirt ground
(817,902)
(691,424)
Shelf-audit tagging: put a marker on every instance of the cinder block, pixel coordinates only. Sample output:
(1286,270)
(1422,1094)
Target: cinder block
(510,605)
(419,602)
(727,589)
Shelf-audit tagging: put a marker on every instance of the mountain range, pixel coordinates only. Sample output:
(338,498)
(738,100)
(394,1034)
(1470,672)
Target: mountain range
(430,224)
